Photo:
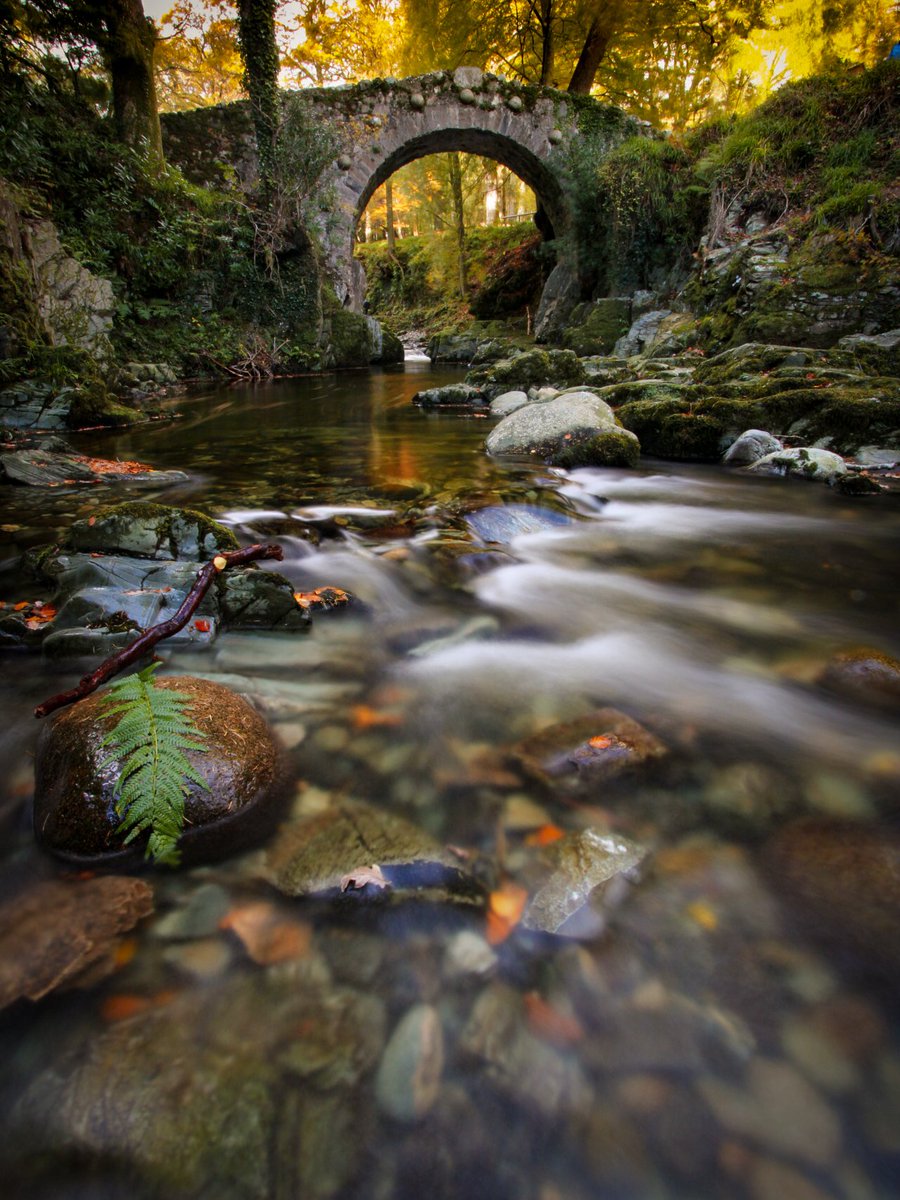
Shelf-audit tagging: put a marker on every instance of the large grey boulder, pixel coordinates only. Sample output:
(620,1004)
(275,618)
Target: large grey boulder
(574,429)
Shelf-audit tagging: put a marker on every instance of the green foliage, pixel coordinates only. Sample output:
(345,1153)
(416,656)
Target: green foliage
(149,742)
(828,145)
(414,286)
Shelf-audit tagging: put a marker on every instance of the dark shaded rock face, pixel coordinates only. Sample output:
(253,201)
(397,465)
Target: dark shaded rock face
(865,675)
(74,813)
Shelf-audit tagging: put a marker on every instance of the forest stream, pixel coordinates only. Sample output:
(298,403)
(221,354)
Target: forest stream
(717,1022)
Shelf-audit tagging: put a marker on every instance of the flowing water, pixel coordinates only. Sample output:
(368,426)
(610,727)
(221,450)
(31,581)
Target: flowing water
(724,1024)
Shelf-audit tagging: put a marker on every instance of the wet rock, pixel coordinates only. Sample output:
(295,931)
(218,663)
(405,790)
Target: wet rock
(590,750)
(249,1093)
(768,1178)
(508,402)
(641,333)
(574,429)
(806,462)
(316,855)
(841,879)
(818,1057)
(750,447)
(579,865)
(880,1104)
(453,395)
(409,1075)
(468,954)
(45,468)
(524,1068)
(749,798)
(74,814)
(205,959)
(864,674)
(616,1157)
(532,368)
(503,522)
(152,531)
(452,347)
(778,1110)
(59,934)
(255,599)
(197,917)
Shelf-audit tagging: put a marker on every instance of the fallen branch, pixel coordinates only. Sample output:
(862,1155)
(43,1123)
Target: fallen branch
(156,633)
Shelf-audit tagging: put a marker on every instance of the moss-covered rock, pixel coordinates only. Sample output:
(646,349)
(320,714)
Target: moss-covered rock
(152,531)
(608,448)
(533,368)
(594,328)
(346,339)
(677,429)
(575,429)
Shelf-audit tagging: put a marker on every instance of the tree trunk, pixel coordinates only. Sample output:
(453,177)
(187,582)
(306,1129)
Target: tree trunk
(389,215)
(600,32)
(459,219)
(128,49)
(548,47)
(259,50)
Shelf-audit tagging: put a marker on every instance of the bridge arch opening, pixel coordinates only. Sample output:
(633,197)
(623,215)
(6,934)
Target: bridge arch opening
(549,215)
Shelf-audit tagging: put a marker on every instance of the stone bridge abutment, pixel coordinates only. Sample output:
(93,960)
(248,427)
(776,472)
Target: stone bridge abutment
(381,125)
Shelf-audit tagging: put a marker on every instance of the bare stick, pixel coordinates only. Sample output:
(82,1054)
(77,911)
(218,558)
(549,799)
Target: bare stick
(138,648)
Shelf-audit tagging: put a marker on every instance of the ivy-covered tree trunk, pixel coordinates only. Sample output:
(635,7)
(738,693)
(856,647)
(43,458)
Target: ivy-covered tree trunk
(128,48)
(259,50)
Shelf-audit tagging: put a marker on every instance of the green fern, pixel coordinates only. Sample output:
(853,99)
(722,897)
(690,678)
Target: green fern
(149,741)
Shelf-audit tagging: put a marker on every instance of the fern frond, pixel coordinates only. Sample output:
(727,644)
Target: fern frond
(149,742)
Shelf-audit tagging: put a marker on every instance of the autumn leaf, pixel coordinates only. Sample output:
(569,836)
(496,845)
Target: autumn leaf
(551,1025)
(505,908)
(364,717)
(268,936)
(545,836)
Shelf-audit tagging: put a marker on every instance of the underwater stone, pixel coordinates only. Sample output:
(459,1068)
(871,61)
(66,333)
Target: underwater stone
(409,1074)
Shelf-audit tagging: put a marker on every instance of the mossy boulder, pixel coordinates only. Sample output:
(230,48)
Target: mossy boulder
(74,800)
(346,339)
(594,328)
(450,346)
(531,369)
(678,429)
(609,448)
(804,462)
(152,531)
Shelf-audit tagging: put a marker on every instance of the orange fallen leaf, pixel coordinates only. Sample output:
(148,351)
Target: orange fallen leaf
(22,604)
(704,916)
(202,625)
(364,717)
(124,1005)
(549,1023)
(125,951)
(92,520)
(600,742)
(266,935)
(505,908)
(545,836)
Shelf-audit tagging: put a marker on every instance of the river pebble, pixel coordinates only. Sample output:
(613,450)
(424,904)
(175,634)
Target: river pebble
(409,1074)
(779,1110)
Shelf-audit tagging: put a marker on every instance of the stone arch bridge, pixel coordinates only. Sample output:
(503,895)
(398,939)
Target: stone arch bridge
(381,125)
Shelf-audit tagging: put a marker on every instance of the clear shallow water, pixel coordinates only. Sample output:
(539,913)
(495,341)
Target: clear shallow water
(729,1031)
